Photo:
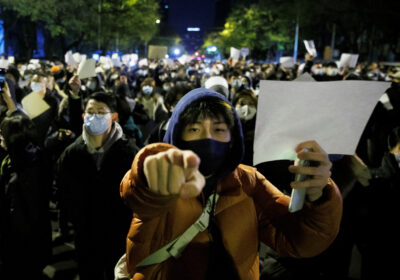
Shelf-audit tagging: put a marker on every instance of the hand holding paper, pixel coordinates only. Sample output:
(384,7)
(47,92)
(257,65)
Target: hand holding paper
(75,84)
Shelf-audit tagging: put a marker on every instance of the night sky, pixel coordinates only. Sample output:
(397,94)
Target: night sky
(202,14)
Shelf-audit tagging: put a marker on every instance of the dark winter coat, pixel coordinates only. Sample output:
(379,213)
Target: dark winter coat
(90,200)
(25,229)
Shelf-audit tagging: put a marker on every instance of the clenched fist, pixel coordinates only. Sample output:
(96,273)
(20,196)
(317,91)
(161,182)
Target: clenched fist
(174,172)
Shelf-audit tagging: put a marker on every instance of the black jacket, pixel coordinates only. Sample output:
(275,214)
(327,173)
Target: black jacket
(90,199)
(25,229)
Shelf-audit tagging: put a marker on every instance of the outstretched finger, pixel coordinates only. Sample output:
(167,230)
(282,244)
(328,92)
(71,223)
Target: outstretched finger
(194,186)
(191,163)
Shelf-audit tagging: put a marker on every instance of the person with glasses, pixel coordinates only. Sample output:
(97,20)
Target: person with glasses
(88,175)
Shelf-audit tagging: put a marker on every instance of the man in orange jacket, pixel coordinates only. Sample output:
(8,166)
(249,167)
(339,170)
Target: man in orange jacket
(199,214)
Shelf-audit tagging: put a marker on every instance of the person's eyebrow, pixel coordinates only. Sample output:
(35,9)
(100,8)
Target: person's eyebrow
(219,122)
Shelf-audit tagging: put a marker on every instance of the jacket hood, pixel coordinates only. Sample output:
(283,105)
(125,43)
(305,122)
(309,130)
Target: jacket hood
(172,136)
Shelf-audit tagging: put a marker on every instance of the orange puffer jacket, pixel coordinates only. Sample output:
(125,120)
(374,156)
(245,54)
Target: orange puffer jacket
(250,209)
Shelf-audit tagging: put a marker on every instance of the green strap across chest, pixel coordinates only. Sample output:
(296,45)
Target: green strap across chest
(178,245)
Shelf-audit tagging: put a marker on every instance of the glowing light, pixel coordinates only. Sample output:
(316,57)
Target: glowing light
(177,51)
(193,29)
(96,56)
(158,21)
(212,49)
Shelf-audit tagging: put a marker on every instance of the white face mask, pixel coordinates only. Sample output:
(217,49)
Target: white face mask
(36,87)
(236,83)
(332,72)
(246,112)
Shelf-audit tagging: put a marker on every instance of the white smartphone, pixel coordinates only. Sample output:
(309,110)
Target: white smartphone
(298,195)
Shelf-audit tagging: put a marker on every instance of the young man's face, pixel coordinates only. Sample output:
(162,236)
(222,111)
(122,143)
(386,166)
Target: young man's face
(212,128)
(96,107)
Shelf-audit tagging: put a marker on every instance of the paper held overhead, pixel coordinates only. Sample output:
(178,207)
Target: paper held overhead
(69,59)
(157,52)
(4,63)
(143,62)
(287,61)
(116,62)
(310,46)
(87,69)
(348,60)
(332,113)
(34,105)
(235,53)
(244,52)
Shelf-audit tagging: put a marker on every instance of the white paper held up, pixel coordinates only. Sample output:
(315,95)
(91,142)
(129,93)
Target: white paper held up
(87,69)
(287,61)
(69,59)
(235,53)
(332,113)
(244,52)
(4,63)
(348,60)
(34,105)
(310,46)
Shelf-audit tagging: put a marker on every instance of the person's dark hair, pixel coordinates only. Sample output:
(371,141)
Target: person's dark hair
(19,134)
(394,138)
(235,73)
(12,70)
(209,107)
(242,93)
(107,98)
(178,91)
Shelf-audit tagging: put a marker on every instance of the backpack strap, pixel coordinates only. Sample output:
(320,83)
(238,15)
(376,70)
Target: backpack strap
(178,245)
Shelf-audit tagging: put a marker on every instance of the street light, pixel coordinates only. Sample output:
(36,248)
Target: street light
(177,51)
(158,21)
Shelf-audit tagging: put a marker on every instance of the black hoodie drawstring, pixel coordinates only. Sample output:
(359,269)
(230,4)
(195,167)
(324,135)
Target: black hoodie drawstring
(220,262)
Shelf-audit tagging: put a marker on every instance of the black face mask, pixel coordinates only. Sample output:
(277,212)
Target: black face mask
(212,154)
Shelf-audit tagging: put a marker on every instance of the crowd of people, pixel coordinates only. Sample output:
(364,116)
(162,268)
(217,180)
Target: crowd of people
(95,134)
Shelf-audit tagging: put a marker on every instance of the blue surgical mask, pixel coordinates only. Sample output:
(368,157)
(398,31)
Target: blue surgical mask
(91,85)
(236,83)
(36,87)
(147,89)
(212,154)
(96,124)
(166,88)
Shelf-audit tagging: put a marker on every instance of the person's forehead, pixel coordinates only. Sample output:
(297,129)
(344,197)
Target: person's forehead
(217,119)
(96,104)
(245,99)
